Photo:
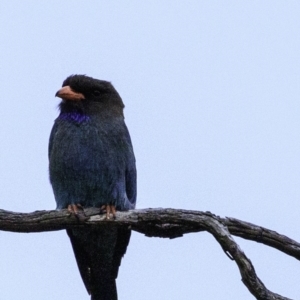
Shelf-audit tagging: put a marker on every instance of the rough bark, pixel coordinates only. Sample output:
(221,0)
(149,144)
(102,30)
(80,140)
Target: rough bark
(167,223)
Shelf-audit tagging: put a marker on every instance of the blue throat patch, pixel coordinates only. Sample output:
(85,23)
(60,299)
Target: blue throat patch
(74,117)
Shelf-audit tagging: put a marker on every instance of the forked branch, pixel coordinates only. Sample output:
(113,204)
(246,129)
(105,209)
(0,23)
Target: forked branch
(168,223)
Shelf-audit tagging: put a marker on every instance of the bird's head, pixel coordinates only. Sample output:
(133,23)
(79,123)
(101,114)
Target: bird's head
(80,93)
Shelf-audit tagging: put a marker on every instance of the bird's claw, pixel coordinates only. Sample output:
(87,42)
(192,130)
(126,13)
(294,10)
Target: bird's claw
(75,208)
(108,210)
(77,211)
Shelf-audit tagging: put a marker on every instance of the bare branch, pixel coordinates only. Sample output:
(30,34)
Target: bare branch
(167,223)
(263,235)
(249,277)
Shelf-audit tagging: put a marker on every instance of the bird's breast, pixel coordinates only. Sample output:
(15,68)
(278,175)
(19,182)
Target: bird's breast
(88,163)
(87,148)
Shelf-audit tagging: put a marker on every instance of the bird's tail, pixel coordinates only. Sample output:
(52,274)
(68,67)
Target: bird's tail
(105,291)
(98,253)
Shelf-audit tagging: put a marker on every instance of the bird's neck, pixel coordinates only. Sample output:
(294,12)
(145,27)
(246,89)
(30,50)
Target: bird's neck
(79,112)
(73,113)
(77,117)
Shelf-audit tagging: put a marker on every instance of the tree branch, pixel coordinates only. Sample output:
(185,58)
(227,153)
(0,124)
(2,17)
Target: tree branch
(167,223)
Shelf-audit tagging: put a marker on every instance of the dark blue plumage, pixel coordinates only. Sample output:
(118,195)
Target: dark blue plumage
(91,163)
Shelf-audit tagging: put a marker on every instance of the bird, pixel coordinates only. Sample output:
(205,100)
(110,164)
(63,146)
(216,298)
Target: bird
(92,164)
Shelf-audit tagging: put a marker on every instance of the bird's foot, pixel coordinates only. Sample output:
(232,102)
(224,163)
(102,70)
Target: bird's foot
(77,211)
(109,209)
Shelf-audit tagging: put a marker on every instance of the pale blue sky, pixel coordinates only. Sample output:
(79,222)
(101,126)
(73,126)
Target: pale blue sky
(211,90)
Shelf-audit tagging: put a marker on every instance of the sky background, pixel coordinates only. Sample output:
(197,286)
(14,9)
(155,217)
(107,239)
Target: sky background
(211,90)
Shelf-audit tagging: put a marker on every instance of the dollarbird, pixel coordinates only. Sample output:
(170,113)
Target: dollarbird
(92,164)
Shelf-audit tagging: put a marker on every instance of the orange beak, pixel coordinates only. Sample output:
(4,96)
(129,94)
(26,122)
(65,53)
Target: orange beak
(66,93)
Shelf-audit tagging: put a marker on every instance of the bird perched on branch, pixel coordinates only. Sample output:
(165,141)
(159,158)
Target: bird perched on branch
(92,164)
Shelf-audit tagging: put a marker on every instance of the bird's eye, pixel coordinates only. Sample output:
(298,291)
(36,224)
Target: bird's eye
(96,93)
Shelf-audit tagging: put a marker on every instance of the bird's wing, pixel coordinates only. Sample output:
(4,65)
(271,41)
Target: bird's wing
(130,180)
(131,185)
(130,174)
